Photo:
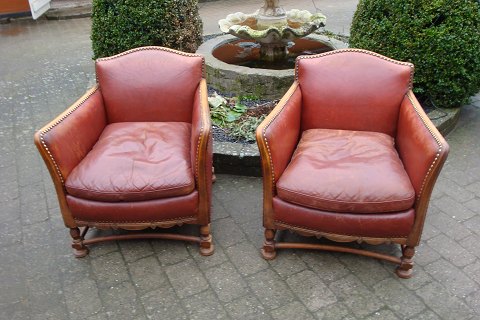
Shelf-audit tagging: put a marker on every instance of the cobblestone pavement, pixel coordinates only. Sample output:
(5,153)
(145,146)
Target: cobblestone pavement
(44,67)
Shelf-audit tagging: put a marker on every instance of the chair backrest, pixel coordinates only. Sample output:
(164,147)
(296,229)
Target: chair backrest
(352,89)
(149,84)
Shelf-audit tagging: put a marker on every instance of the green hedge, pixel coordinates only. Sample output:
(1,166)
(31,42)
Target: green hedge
(441,37)
(120,25)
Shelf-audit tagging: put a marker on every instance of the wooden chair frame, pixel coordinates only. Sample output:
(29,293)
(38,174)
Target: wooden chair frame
(408,244)
(203,178)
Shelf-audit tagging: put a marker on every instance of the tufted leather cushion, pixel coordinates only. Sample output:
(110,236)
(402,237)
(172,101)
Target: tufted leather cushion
(346,171)
(136,161)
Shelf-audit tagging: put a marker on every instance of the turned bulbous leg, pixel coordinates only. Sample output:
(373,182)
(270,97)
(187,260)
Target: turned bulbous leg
(404,270)
(206,245)
(79,249)
(268,250)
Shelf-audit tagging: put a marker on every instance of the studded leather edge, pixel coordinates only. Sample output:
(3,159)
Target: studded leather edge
(167,223)
(340,51)
(200,139)
(157,48)
(44,131)
(264,133)
(437,140)
(349,237)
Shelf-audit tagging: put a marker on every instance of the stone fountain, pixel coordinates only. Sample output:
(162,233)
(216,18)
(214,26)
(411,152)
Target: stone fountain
(272,27)
(257,56)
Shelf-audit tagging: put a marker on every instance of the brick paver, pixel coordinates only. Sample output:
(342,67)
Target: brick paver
(45,66)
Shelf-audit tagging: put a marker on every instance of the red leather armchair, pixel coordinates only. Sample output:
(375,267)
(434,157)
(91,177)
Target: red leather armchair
(135,152)
(349,154)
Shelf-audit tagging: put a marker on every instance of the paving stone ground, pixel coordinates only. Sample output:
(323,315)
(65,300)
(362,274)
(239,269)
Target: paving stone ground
(44,67)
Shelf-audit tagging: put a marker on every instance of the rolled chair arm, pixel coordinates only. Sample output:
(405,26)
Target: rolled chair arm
(202,150)
(66,140)
(277,137)
(423,151)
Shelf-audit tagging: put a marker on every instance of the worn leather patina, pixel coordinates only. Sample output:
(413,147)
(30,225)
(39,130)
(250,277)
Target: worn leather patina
(135,151)
(349,154)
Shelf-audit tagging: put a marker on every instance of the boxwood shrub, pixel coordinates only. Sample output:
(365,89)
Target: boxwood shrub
(441,37)
(120,25)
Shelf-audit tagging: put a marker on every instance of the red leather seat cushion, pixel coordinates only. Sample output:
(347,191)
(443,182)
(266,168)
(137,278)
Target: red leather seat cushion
(346,171)
(136,161)
(386,225)
(158,210)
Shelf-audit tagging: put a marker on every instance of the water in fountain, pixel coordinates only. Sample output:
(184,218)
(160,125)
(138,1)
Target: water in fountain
(247,53)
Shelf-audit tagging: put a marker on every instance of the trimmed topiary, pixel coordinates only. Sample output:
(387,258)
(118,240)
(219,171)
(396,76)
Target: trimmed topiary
(441,37)
(120,25)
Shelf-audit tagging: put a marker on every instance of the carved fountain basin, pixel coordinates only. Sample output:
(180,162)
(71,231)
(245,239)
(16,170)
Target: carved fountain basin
(228,65)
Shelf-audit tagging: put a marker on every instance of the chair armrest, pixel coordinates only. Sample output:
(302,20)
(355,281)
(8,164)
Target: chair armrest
(202,151)
(423,151)
(277,137)
(66,140)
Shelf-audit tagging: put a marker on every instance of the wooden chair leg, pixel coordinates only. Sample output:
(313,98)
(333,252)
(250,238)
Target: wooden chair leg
(79,249)
(404,270)
(206,245)
(268,250)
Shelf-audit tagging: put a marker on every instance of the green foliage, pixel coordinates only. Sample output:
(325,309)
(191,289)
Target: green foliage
(246,127)
(248,97)
(120,25)
(441,37)
(230,116)
(223,112)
